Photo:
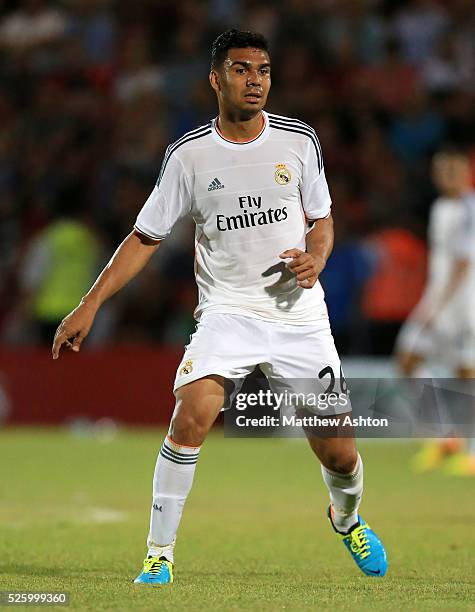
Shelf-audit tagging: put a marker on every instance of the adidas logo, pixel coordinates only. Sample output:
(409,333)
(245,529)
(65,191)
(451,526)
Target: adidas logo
(215,184)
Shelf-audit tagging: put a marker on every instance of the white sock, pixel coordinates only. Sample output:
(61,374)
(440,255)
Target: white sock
(172,482)
(346,491)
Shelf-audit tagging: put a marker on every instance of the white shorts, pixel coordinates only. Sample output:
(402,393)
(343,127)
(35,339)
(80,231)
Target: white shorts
(232,346)
(442,343)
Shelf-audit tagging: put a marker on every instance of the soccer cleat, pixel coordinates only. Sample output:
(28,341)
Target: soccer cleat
(365,547)
(460,465)
(156,570)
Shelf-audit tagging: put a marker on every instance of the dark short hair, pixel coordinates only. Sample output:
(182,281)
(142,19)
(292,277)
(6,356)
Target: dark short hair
(235,39)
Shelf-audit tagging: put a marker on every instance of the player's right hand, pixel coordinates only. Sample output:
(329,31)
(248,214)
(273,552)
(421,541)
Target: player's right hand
(73,329)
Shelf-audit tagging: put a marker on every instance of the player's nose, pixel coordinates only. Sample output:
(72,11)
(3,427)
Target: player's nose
(254,79)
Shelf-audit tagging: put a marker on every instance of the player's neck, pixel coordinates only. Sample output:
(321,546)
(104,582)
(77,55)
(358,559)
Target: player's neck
(240,131)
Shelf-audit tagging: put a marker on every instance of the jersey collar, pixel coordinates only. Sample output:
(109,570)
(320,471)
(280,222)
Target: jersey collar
(231,144)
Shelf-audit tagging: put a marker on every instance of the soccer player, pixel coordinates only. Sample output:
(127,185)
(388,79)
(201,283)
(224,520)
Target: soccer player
(250,180)
(442,327)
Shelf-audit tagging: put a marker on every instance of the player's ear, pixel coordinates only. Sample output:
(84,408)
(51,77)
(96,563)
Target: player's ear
(214,81)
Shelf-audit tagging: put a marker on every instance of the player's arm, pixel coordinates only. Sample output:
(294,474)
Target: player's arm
(308,265)
(316,204)
(129,259)
(169,201)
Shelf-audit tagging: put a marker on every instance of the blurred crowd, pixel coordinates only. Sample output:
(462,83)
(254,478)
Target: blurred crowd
(92,91)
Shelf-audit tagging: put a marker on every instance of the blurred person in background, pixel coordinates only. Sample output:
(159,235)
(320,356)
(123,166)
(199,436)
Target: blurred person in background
(59,265)
(441,329)
(32,34)
(445,70)
(417,25)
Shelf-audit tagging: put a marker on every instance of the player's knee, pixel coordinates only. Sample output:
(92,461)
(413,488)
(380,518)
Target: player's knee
(342,462)
(188,429)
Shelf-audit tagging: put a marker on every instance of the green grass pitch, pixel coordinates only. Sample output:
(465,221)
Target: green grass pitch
(74,516)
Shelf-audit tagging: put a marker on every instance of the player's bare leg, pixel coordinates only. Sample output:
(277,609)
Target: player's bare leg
(342,470)
(197,406)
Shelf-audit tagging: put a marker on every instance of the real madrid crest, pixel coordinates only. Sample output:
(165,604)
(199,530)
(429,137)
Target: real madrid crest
(282,174)
(187,367)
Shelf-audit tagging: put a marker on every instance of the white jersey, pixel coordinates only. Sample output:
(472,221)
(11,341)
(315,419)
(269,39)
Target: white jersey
(250,202)
(452,238)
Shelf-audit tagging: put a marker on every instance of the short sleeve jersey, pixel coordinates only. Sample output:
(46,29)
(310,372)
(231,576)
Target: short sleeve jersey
(445,221)
(452,238)
(250,202)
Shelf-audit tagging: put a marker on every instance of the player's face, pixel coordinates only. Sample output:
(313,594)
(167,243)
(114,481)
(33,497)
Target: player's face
(451,174)
(242,83)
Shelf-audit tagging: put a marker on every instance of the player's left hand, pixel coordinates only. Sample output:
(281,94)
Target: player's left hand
(305,266)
